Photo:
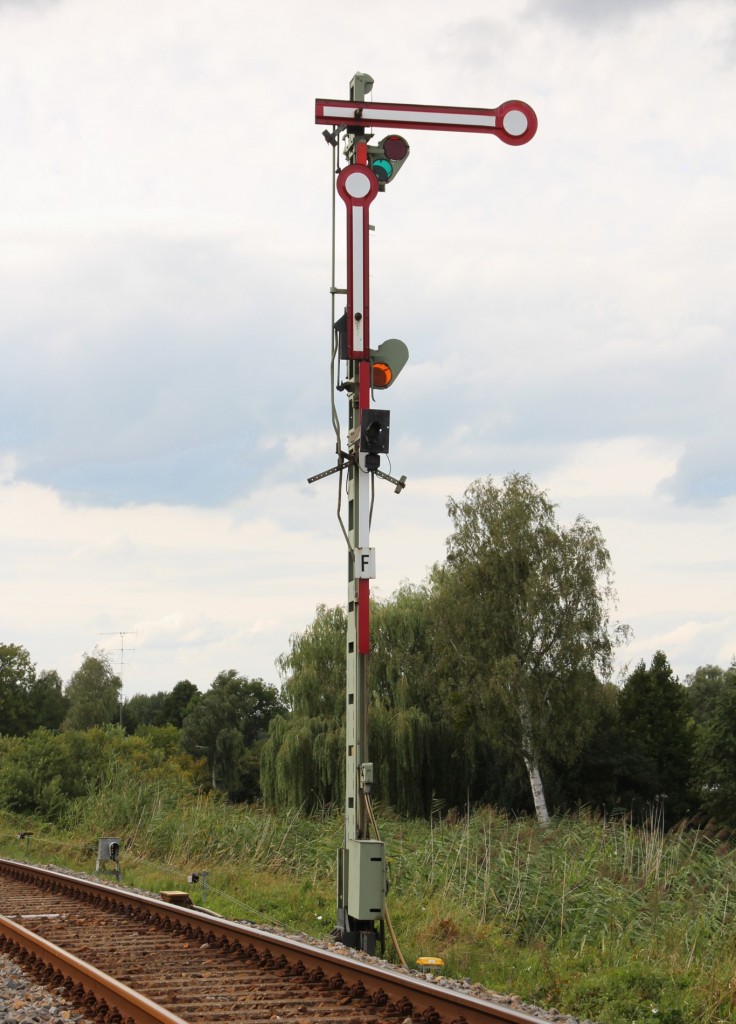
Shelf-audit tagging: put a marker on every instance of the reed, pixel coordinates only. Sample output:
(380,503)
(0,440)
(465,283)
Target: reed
(598,918)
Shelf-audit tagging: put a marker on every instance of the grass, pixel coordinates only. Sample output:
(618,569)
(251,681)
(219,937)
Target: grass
(594,917)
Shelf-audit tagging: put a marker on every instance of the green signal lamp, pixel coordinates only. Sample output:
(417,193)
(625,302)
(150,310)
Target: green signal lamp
(387,158)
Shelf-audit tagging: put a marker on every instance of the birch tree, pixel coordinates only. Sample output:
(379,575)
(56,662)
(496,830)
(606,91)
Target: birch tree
(523,605)
(93,693)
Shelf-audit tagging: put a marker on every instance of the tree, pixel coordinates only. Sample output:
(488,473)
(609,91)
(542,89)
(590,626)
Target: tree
(179,702)
(28,701)
(45,771)
(144,709)
(657,739)
(404,741)
(418,749)
(17,676)
(47,704)
(715,748)
(703,687)
(226,724)
(30,773)
(523,606)
(302,764)
(593,778)
(93,694)
(159,709)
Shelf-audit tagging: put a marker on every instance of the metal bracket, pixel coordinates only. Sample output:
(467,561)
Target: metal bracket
(333,136)
(343,460)
(400,484)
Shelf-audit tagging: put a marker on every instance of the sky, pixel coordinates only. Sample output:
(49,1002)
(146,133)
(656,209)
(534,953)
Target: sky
(165,326)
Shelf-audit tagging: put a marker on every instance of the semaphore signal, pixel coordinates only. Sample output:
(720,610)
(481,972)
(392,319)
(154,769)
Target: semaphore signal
(361,870)
(514,122)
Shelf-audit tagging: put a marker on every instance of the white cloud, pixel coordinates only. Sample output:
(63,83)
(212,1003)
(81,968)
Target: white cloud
(179,577)
(598,15)
(619,469)
(164,276)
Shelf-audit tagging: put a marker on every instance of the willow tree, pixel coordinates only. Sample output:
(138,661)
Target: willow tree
(402,730)
(523,605)
(302,764)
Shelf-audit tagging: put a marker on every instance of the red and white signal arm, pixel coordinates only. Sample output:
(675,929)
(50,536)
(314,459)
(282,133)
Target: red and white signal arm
(514,122)
(357,186)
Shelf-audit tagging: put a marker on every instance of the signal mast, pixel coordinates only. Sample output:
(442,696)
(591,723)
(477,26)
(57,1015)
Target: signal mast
(361,864)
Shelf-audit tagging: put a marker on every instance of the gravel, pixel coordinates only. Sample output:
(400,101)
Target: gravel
(22,1001)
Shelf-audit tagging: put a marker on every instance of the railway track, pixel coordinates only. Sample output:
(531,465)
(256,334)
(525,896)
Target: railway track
(131,959)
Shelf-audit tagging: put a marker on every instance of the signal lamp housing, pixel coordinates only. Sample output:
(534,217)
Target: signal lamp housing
(374,430)
(387,362)
(387,158)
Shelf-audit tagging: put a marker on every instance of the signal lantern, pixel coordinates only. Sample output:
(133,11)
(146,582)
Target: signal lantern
(387,157)
(374,431)
(387,362)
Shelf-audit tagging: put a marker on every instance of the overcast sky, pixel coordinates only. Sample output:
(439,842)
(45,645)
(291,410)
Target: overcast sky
(569,306)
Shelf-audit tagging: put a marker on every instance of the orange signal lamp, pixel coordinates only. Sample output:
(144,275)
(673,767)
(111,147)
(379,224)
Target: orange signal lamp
(381,375)
(387,362)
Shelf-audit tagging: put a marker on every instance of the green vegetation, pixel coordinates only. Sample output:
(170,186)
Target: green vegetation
(488,685)
(527,602)
(596,917)
(489,688)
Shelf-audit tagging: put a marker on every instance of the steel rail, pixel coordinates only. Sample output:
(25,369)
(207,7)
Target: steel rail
(431,1000)
(79,977)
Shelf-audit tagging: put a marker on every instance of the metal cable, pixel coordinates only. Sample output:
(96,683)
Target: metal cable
(392,933)
(335,355)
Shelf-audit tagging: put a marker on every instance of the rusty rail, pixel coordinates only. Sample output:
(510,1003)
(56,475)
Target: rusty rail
(424,1000)
(85,984)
